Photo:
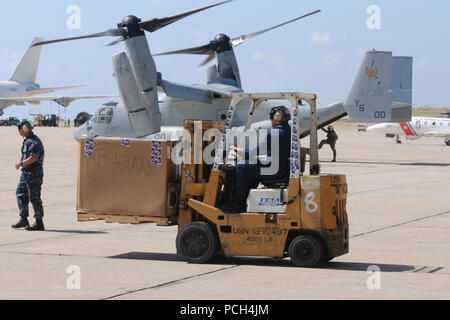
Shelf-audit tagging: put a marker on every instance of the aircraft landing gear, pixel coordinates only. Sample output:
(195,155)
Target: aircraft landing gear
(397,139)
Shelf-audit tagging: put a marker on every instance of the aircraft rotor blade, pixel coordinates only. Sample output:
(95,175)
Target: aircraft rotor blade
(239,40)
(149,25)
(113,43)
(155,24)
(208,59)
(108,33)
(205,49)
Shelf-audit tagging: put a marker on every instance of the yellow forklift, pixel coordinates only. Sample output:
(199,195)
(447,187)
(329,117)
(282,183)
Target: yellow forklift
(313,225)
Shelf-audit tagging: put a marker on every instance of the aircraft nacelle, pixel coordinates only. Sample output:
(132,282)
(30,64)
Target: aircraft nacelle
(136,77)
(227,67)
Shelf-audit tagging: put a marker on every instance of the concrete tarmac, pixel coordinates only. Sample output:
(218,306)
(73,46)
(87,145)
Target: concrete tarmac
(399,214)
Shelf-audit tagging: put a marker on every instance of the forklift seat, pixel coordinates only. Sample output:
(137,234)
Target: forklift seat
(276,184)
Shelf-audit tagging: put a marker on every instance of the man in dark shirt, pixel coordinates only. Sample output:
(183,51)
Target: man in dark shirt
(29,188)
(249,175)
(331,140)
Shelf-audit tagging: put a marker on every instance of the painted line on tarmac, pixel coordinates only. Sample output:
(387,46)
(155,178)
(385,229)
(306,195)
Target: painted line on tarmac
(45,206)
(400,186)
(44,189)
(421,163)
(170,282)
(399,224)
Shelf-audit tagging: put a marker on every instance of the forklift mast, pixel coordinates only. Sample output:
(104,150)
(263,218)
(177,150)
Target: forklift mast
(293,98)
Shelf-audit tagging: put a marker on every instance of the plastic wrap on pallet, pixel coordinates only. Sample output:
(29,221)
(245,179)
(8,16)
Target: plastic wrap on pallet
(156,154)
(89,148)
(125,142)
(295,164)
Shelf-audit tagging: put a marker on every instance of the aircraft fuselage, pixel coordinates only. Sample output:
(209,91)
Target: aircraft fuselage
(113,120)
(416,128)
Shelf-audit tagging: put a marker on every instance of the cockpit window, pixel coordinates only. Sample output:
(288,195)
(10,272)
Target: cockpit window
(105,115)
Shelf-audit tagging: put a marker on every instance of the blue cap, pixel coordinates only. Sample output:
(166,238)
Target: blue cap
(280,110)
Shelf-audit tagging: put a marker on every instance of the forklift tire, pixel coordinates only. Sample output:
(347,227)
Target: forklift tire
(197,243)
(305,251)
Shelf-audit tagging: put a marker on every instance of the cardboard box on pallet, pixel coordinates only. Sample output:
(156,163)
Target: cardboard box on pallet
(127,177)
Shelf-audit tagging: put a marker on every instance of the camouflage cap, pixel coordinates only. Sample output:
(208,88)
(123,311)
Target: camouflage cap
(25,122)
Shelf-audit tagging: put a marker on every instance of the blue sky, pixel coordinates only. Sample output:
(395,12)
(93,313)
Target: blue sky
(319,54)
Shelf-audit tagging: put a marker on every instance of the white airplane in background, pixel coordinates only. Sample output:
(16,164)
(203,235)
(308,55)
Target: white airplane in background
(415,129)
(22,87)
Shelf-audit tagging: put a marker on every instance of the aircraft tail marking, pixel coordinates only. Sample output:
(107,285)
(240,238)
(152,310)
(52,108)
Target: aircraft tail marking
(382,82)
(408,129)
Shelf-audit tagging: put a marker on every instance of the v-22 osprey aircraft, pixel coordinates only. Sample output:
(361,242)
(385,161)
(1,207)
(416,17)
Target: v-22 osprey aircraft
(382,90)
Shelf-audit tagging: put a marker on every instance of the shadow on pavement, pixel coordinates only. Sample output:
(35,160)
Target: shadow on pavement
(76,231)
(148,256)
(266,262)
(361,266)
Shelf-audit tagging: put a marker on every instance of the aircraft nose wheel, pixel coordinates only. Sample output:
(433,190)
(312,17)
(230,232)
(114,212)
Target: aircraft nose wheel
(197,243)
(305,251)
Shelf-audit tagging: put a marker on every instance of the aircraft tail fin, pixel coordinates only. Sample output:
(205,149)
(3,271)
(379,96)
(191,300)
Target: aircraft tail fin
(27,69)
(382,91)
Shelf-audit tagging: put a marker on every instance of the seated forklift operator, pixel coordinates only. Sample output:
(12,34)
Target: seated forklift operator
(249,175)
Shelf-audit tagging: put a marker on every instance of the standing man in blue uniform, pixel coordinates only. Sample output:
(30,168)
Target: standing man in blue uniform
(249,175)
(29,188)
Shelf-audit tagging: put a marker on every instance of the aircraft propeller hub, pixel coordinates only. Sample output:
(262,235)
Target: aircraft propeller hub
(222,42)
(222,37)
(129,20)
(132,24)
